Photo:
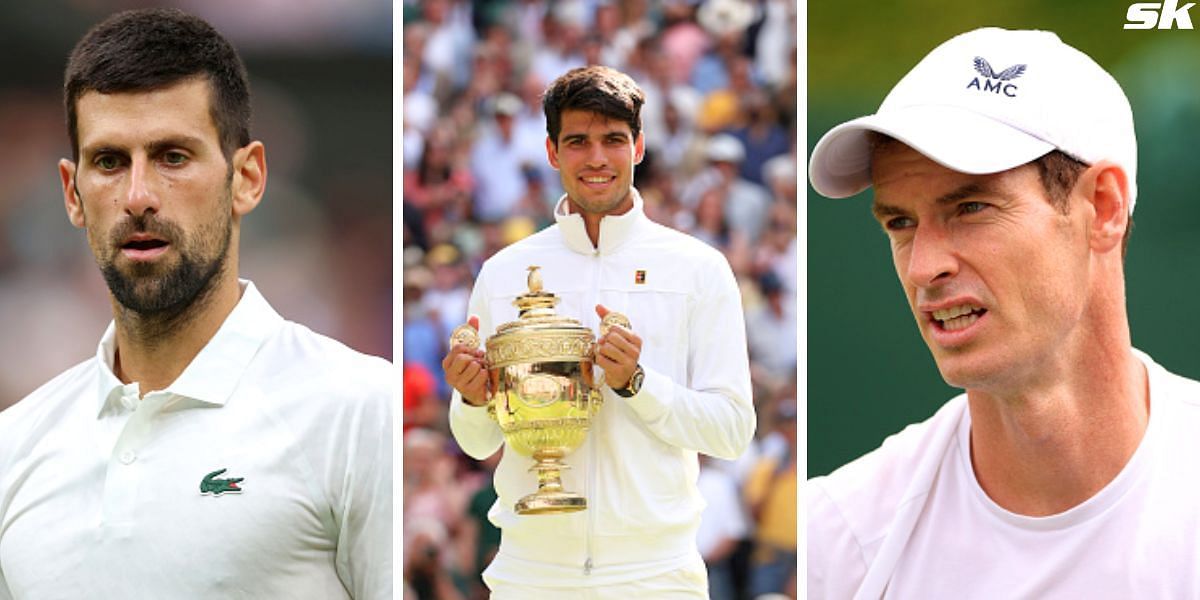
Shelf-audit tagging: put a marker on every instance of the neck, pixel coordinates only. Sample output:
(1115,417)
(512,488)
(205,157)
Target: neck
(154,349)
(1057,443)
(591,223)
(591,220)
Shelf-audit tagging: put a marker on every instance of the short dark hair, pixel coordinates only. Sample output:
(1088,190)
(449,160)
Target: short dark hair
(598,89)
(149,49)
(1058,171)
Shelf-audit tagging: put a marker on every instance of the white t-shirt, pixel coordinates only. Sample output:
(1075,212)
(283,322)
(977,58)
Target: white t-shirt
(909,520)
(263,471)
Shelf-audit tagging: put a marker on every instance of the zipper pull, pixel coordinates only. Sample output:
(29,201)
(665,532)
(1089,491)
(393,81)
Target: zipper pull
(587,566)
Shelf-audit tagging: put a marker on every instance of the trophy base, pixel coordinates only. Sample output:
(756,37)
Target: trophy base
(550,503)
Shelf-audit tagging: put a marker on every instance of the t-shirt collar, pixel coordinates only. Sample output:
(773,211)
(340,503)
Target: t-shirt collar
(214,374)
(614,229)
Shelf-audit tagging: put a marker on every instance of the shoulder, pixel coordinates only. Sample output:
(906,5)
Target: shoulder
(65,387)
(686,260)
(859,500)
(1174,404)
(675,244)
(296,355)
(548,239)
(32,416)
(544,248)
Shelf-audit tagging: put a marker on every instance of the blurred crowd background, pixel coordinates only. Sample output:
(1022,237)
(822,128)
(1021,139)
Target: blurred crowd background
(721,165)
(319,245)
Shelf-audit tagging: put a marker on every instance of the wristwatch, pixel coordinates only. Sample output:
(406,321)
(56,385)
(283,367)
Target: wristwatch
(634,386)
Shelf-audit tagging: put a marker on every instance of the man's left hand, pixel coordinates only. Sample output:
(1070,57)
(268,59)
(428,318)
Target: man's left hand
(617,352)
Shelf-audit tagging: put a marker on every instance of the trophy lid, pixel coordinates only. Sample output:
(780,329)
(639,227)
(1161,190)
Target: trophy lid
(536,308)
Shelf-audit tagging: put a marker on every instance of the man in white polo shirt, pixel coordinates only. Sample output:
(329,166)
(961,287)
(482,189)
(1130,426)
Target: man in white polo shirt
(210,449)
(1004,174)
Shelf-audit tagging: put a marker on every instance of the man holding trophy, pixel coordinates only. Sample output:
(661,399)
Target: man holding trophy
(611,451)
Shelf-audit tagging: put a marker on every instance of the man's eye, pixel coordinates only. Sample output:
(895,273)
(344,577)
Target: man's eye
(971,207)
(107,162)
(898,223)
(175,158)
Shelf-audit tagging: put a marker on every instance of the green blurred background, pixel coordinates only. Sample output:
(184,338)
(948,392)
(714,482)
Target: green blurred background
(869,373)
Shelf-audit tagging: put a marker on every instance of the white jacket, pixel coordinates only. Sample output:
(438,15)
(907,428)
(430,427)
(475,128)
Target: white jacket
(638,467)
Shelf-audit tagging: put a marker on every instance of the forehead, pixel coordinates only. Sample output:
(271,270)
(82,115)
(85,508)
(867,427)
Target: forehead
(179,109)
(895,163)
(900,174)
(586,122)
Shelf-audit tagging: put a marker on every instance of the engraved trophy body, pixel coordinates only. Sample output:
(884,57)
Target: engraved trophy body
(544,396)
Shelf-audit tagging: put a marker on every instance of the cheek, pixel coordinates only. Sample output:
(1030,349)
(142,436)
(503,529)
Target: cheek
(1046,278)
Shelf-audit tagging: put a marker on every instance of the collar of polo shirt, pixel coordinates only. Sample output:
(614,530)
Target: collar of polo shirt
(211,377)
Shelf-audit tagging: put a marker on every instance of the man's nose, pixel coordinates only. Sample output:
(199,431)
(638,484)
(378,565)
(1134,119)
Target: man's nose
(932,258)
(596,156)
(142,194)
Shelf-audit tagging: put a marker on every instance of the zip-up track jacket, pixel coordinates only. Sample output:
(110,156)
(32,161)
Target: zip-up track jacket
(638,467)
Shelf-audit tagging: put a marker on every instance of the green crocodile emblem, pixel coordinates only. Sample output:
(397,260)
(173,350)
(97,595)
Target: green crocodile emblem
(215,486)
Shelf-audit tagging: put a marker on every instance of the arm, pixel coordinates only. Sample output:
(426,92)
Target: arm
(4,593)
(711,412)
(364,503)
(836,567)
(476,433)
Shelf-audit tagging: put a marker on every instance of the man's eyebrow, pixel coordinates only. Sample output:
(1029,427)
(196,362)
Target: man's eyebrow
(882,209)
(153,147)
(608,135)
(174,141)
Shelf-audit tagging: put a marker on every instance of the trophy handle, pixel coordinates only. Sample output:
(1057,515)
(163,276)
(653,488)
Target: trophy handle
(466,335)
(612,318)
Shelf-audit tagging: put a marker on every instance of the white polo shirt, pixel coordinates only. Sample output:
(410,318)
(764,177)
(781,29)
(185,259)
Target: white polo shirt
(263,471)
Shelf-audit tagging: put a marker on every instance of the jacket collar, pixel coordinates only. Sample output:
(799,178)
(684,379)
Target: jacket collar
(214,374)
(615,230)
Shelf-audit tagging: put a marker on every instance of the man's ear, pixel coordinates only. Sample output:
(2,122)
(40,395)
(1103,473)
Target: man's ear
(1105,187)
(74,204)
(552,153)
(249,177)
(639,148)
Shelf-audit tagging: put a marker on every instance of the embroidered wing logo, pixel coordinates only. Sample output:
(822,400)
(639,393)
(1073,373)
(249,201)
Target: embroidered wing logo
(984,68)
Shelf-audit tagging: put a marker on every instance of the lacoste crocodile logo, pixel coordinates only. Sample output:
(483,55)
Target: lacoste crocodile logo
(212,485)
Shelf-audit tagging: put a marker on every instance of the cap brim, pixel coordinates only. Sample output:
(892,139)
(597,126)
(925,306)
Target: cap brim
(955,138)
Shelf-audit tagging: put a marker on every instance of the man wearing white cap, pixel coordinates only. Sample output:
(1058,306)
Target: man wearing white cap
(1004,166)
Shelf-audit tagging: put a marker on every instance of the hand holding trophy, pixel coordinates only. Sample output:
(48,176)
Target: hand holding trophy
(543,394)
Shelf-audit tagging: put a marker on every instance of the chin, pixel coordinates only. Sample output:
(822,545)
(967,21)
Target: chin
(970,372)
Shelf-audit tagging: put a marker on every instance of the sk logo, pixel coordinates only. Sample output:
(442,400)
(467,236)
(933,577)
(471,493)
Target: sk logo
(212,485)
(998,86)
(639,277)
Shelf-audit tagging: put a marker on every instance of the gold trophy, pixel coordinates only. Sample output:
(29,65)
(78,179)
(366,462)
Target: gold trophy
(543,393)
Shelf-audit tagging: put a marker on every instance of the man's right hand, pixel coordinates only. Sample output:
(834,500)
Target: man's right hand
(467,371)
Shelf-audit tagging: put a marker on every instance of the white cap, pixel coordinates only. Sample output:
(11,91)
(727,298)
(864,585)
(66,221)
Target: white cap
(986,101)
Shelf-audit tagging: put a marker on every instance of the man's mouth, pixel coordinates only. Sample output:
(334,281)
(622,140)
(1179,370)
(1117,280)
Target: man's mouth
(143,244)
(143,247)
(597,179)
(957,317)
